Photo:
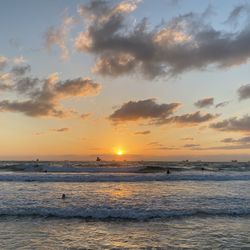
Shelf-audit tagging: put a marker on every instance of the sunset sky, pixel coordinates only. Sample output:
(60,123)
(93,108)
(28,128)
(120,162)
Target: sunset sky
(155,80)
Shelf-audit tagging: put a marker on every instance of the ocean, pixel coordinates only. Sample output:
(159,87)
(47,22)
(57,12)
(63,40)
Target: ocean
(124,205)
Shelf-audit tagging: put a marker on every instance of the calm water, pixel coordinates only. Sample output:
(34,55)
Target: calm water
(124,206)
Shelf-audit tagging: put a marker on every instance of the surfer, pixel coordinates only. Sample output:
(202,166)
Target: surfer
(63,196)
(98,159)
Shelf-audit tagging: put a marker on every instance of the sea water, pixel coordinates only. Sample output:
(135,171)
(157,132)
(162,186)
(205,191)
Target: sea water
(126,205)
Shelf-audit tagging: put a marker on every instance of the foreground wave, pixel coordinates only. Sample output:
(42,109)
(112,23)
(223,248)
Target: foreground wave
(183,176)
(120,214)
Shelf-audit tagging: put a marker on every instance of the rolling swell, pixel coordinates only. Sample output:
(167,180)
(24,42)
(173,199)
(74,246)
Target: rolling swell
(130,214)
(184,176)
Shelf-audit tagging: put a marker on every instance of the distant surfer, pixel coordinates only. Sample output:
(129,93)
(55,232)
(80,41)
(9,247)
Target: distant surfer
(63,196)
(168,171)
(98,159)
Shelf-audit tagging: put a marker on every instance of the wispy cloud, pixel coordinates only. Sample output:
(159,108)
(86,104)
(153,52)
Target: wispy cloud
(233,124)
(222,104)
(60,129)
(59,36)
(146,132)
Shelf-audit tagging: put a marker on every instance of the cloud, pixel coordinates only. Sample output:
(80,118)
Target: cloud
(60,129)
(233,124)
(59,36)
(158,146)
(187,139)
(244,92)
(143,109)
(205,102)
(226,147)
(85,116)
(186,42)
(242,140)
(157,114)
(191,145)
(236,13)
(3,62)
(19,70)
(42,97)
(193,118)
(231,144)
(5,81)
(165,148)
(146,132)
(222,104)
(18,60)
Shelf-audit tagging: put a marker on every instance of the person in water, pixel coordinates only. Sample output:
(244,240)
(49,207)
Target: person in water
(63,196)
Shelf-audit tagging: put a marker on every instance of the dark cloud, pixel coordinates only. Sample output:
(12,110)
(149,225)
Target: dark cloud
(231,144)
(191,145)
(20,70)
(157,114)
(244,92)
(228,140)
(143,109)
(205,102)
(185,43)
(193,118)
(26,85)
(60,129)
(3,62)
(242,140)
(233,124)
(236,13)
(42,97)
(33,108)
(146,132)
(222,104)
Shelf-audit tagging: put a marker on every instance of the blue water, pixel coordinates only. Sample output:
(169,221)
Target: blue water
(128,205)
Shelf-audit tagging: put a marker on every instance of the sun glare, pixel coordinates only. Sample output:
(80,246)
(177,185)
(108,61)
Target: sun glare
(119,152)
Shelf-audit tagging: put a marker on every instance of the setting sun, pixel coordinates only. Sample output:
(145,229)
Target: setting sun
(119,152)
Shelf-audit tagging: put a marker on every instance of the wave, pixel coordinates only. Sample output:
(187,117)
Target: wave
(183,176)
(120,214)
(122,167)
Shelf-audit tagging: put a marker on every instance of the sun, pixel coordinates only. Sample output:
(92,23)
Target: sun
(119,152)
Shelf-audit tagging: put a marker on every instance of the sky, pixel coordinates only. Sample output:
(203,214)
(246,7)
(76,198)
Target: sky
(153,80)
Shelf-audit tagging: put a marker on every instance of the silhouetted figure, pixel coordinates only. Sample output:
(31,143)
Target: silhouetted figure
(37,163)
(168,171)
(202,169)
(63,196)
(98,159)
